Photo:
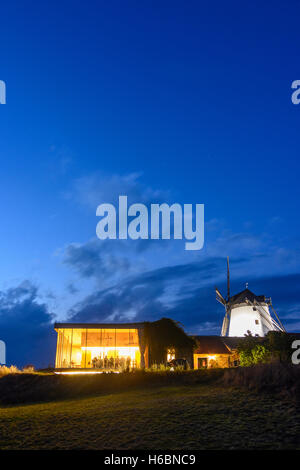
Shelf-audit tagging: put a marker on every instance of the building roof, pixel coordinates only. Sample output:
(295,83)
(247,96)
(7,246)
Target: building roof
(220,344)
(211,345)
(232,342)
(241,297)
(99,325)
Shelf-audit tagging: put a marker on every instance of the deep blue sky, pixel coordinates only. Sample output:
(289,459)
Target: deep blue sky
(163,101)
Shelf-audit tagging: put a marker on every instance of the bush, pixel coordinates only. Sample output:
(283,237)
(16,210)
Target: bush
(29,369)
(260,354)
(275,346)
(274,377)
(256,355)
(8,370)
(158,368)
(4,370)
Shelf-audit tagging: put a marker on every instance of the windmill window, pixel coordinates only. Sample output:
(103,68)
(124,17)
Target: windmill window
(256,322)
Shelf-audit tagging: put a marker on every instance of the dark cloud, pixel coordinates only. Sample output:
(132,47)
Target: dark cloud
(105,259)
(186,294)
(26,326)
(91,260)
(72,289)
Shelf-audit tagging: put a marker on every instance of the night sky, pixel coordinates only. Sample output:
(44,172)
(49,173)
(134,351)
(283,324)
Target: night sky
(170,101)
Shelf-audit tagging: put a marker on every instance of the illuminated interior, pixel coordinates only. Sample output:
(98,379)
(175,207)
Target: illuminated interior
(211,358)
(170,354)
(207,361)
(102,349)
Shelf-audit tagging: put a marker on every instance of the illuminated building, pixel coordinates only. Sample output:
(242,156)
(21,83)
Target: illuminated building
(215,351)
(100,346)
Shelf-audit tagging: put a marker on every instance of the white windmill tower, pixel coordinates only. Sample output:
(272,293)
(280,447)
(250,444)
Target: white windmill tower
(246,312)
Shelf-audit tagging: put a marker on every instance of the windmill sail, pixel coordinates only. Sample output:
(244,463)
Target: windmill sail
(220,297)
(225,325)
(274,311)
(228,280)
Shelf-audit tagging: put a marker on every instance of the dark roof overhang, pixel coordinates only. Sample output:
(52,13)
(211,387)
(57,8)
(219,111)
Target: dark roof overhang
(92,326)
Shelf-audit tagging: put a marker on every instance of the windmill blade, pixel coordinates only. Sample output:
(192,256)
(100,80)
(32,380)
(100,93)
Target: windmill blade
(260,309)
(220,297)
(228,279)
(273,310)
(263,313)
(224,326)
(226,321)
(279,325)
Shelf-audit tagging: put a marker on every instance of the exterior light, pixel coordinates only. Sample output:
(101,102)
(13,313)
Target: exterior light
(82,372)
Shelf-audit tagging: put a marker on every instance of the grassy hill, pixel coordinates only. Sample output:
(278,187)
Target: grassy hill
(205,416)
(243,408)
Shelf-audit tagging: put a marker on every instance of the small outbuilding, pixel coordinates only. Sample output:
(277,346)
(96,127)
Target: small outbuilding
(215,351)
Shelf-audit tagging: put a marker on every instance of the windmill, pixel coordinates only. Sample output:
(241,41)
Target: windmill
(246,311)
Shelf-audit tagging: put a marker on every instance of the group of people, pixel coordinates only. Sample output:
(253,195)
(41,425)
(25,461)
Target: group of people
(112,362)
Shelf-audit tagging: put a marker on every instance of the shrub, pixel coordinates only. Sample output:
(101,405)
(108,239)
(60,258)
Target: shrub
(275,346)
(8,370)
(29,369)
(260,354)
(4,370)
(274,377)
(280,345)
(158,368)
(256,355)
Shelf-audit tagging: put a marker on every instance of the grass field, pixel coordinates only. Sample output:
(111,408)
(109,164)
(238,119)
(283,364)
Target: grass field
(206,416)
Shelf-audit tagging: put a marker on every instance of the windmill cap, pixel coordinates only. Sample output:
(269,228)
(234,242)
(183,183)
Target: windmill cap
(243,296)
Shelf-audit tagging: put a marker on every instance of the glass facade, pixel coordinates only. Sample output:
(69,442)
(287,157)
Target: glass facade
(103,348)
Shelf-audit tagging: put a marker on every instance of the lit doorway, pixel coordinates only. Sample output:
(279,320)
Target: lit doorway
(202,362)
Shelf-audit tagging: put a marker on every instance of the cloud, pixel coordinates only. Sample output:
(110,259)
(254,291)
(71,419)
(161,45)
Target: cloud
(109,260)
(71,288)
(26,326)
(112,260)
(99,188)
(61,161)
(95,260)
(186,294)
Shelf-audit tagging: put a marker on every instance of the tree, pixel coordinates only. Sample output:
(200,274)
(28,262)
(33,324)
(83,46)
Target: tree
(276,345)
(253,350)
(260,354)
(165,334)
(280,345)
